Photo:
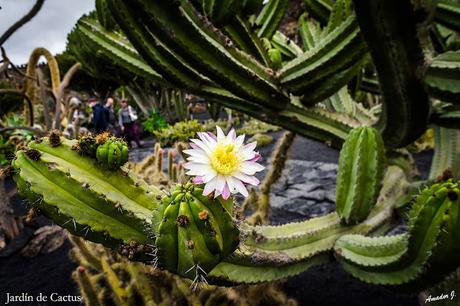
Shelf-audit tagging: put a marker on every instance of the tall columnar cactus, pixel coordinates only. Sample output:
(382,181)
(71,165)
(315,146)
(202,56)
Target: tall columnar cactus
(360,174)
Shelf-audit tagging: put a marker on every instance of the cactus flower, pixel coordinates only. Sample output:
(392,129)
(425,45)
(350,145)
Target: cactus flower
(223,163)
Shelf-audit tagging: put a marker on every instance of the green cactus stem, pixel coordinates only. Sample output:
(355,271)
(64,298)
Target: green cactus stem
(110,207)
(199,230)
(360,174)
(398,56)
(447,142)
(270,18)
(442,79)
(116,209)
(427,251)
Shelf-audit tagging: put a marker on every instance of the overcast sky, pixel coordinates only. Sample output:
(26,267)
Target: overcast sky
(48,29)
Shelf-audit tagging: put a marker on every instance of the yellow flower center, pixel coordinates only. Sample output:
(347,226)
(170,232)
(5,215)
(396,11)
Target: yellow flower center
(224,159)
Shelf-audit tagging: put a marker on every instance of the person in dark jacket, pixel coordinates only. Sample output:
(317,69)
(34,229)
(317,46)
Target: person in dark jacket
(113,125)
(100,115)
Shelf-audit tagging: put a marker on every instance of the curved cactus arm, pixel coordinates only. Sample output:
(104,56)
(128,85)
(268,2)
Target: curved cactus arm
(432,239)
(310,32)
(241,32)
(314,122)
(320,9)
(112,208)
(442,79)
(446,156)
(201,46)
(286,46)
(371,252)
(290,249)
(448,14)
(298,241)
(231,273)
(330,61)
(32,68)
(399,58)
(270,18)
(116,48)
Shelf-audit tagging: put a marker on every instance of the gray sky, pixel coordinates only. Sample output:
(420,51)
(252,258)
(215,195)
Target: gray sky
(48,29)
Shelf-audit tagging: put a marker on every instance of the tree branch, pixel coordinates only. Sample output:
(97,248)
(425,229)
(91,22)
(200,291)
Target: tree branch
(26,18)
(29,102)
(60,93)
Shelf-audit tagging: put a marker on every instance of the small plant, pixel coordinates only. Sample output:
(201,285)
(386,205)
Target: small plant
(6,151)
(181,131)
(154,122)
(254,126)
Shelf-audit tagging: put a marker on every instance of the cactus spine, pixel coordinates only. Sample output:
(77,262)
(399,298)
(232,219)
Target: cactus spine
(359,179)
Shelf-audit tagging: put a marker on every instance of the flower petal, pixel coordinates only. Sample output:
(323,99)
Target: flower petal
(226,192)
(220,184)
(209,187)
(198,169)
(247,179)
(250,168)
(202,145)
(238,186)
(220,134)
(231,135)
(198,180)
(239,140)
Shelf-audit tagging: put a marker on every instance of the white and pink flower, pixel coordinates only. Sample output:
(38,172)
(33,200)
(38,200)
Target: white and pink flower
(223,163)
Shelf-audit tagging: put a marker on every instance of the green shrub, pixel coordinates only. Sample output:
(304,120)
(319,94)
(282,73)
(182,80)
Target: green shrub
(254,126)
(154,122)
(181,131)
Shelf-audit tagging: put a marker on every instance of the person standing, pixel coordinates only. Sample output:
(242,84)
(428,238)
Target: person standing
(127,118)
(100,122)
(112,121)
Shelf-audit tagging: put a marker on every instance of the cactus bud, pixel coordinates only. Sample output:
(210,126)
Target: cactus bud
(113,153)
(275,58)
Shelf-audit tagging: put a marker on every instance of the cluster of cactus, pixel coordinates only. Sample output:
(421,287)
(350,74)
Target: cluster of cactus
(195,236)
(223,58)
(106,278)
(230,61)
(152,168)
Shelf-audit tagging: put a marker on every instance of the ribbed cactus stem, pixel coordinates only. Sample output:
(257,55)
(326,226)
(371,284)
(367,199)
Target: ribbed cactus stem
(174,174)
(159,160)
(431,242)
(170,163)
(119,293)
(359,179)
(87,288)
(278,163)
